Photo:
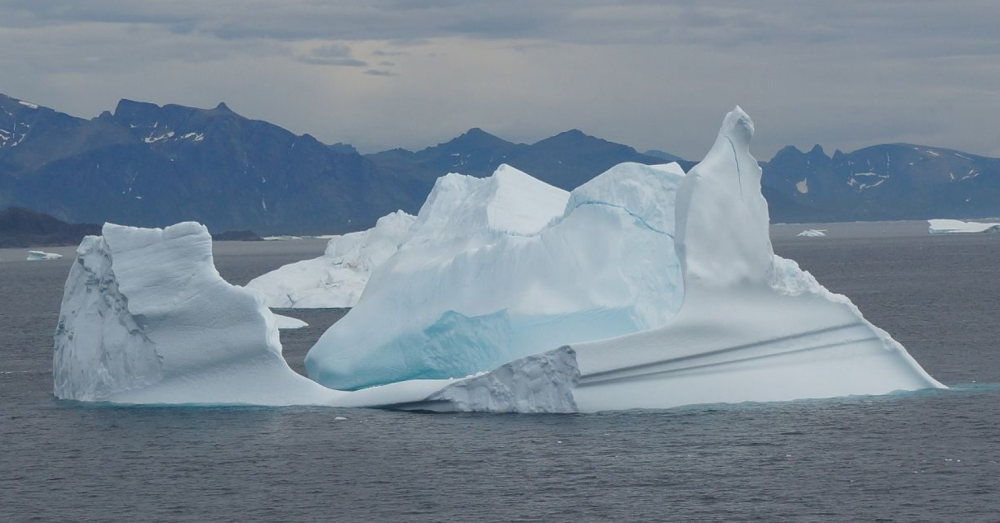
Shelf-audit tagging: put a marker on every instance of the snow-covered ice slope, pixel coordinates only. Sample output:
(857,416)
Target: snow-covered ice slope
(753,326)
(146,318)
(958,226)
(337,278)
(505,267)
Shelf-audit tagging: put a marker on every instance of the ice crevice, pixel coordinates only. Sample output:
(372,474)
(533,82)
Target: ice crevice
(639,219)
(736,158)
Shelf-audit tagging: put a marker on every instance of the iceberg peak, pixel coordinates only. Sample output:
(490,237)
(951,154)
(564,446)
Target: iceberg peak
(722,218)
(738,127)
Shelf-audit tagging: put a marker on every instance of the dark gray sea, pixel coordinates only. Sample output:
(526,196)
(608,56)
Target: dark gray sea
(930,456)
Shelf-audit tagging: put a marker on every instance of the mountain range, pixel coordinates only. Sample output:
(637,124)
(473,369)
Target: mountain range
(26,228)
(149,165)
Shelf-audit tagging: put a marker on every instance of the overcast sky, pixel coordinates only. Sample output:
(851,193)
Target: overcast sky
(412,73)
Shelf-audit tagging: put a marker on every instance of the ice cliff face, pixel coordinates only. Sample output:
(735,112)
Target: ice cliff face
(505,267)
(337,278)
(146,318)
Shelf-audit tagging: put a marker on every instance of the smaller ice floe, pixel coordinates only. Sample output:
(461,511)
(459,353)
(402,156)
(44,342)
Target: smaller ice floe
(813,233)
(282,237)
(958,226)
(288,323)
(39,255)
(337,278)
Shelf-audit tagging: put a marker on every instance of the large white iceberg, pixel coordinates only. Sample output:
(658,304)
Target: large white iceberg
(813,233)
(667,303)
(337,278)
(644,288)
(958,226)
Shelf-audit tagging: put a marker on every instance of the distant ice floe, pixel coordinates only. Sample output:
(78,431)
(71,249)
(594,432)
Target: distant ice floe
(39,255)
(958,226)
(281,238)
(644,288)
(813,233)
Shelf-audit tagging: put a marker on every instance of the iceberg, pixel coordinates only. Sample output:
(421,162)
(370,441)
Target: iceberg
(644,288)
(813,233)
(39,255)
(675,297)
(958,226)
(337,278)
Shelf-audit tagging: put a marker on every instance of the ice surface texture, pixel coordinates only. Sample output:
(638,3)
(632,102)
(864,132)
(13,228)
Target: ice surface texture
(643,288)
(337,278)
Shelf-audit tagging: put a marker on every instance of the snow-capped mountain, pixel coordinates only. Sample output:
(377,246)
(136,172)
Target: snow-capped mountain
(149,165)
(892,181)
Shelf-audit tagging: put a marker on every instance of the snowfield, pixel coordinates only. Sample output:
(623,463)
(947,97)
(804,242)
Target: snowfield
(644,288)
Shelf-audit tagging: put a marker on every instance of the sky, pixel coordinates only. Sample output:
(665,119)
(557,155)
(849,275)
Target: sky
(412,73)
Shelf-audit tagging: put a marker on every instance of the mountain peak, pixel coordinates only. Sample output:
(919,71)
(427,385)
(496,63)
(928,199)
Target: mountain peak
(126,106)
(474,137)
(476,131)
(574,133)
(223,108)
(817,150)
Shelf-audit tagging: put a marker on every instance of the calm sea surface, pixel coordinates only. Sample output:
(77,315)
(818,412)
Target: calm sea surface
(931,456)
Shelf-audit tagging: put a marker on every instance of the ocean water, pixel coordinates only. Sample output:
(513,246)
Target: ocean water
(929,456)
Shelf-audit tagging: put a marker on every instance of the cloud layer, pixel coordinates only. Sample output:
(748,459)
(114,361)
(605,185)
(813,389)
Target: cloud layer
(390,73)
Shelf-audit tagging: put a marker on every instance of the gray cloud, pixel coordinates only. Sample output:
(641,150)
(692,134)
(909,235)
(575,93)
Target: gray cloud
(644,72)
(332,54)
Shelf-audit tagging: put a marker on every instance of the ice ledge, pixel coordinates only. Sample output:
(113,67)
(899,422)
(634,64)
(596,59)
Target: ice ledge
(536,384)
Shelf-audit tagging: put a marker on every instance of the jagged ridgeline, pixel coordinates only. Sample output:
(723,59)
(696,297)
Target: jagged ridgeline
(148,165)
